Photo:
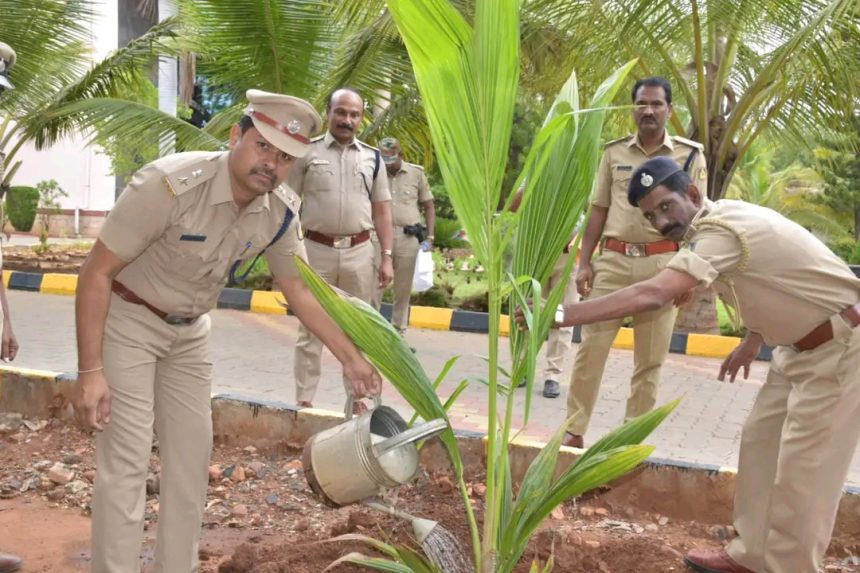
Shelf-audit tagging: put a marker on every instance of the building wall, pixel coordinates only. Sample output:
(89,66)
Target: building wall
(82,170)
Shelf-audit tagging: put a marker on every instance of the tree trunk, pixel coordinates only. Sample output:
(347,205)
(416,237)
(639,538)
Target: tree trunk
(700,314)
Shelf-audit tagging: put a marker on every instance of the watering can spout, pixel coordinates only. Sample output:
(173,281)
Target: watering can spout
(422,528)
(413,434)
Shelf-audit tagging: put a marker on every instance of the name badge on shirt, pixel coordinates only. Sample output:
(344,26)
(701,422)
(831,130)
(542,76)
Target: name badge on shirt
(624,167)
(195,238)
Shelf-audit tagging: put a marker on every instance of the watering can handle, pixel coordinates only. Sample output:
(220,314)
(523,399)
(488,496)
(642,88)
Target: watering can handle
(413,434)
(350,400)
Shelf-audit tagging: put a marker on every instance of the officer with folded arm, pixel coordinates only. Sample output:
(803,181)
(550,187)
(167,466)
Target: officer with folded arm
(182,226)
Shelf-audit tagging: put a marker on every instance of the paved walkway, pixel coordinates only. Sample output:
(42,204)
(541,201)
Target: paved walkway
(253,355)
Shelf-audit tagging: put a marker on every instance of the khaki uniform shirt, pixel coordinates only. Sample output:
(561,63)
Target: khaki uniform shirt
(337,186)
(179,230)
(620,159)
(789,283)
(409,188)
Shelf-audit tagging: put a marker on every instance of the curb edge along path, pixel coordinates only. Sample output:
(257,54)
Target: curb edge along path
(704,431)
(432,318)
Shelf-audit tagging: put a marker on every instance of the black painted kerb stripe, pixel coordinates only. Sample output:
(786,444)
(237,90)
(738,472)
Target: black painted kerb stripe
(25,281)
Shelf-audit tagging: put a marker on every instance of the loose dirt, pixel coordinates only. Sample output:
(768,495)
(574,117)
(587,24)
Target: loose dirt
(261,517)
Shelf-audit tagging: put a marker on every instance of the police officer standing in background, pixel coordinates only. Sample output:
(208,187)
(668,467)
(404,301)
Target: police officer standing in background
(801,434)
(164,254)
(631,250)
(409,189)
(345,196)
(8,563)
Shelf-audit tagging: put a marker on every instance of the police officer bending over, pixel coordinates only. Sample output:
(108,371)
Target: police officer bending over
(798,440)
(163,256)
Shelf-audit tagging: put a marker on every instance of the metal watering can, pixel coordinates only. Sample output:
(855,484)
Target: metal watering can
(364,455)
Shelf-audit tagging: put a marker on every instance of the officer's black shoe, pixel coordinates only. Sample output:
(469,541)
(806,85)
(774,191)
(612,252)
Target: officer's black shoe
(551,389)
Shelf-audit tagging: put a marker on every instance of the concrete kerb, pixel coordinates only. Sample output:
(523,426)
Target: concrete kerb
(419,316)
(675,489)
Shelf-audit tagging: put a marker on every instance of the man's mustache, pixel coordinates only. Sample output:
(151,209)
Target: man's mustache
(269,174)
(667,230)
(345,126)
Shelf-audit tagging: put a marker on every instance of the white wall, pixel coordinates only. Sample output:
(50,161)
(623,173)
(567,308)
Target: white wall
(81,170)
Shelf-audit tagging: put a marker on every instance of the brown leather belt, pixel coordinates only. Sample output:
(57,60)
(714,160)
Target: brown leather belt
(129,296)
(824,331)
(337,242)
(640,249)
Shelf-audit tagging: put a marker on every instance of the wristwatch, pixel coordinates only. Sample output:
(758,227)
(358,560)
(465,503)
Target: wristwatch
(388,252)
(431,237)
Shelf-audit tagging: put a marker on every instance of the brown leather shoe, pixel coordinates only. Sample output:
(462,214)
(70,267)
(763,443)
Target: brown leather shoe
(9,563)
(573,441)
(711,561)
(305,404)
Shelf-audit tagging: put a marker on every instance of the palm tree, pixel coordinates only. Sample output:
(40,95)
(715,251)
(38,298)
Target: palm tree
(59,90)
(793,192)
(787,68)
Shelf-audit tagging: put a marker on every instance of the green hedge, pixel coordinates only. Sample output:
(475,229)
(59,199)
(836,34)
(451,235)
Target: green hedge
(21,205)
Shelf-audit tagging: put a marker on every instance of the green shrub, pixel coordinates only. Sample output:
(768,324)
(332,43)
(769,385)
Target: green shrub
(447,231)
(855,256)
(843,247)
(21,205)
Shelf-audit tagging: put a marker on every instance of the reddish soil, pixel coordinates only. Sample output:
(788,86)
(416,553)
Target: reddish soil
(262,518)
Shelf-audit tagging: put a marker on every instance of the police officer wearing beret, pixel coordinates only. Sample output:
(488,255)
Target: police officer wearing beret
(180,228)
(345,199)
(409,190)
(630,250)
(8,563)
(794,294)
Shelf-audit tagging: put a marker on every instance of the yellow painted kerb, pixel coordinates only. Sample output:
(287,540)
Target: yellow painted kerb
(55,283)
(711,345)
(6,275)
(624,338)
(268,302)
(430,317)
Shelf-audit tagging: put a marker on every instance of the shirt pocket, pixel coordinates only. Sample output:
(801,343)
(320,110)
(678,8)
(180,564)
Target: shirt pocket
(407,193)
(319,177)
(187,256)
(364,180)
(620,182)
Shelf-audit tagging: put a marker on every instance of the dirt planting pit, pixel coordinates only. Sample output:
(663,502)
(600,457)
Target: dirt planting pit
(261,517)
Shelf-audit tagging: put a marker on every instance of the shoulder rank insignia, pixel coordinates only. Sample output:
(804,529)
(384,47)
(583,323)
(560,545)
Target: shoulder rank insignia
(619,140)
(688,142)
(189,176)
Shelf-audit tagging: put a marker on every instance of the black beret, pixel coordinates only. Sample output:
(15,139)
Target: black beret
(648,176)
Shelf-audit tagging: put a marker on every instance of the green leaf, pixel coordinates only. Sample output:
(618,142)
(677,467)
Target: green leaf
(376,563)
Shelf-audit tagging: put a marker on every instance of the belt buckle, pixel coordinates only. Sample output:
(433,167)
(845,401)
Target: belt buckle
(634,250)
(342,242)
(176,320)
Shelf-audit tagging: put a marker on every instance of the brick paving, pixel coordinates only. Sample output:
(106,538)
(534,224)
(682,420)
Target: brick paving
(253,354)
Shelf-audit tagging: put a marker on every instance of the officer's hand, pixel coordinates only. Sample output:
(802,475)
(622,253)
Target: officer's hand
(742,356)
(386,272)
(584,279)
(91,400)
(683,299)
(9,349)
(363,378)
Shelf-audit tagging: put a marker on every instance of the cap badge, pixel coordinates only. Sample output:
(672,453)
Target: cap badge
(294,126)
(646,180)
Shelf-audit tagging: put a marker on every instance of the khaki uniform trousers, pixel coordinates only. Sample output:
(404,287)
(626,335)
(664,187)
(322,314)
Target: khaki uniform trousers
(559,340)
(158,374)
(376,299)
(795,453)
(405,255)
(652,336)
(350,270)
